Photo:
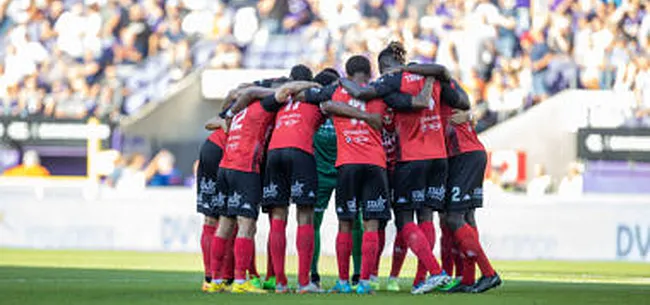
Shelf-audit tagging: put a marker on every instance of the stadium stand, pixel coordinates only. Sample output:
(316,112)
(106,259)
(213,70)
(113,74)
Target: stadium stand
(508,54)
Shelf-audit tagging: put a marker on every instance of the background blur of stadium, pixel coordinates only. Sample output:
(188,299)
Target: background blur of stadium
(111,95)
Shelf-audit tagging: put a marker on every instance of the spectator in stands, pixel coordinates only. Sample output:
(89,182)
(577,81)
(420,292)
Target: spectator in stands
(227,56)
(571,185)
(31,167)
(541,183)
(133,176)
(540,57)
(165,173)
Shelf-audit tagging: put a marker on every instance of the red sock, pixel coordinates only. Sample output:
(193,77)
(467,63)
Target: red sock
(399,255)
(418,243)
(380,250)
(369,248)
(305,246)
(278,241)
(252,270)
(459,261)
(469,271)
(430,232)
(228,261)
(243,255)
(343,252)
(217,251)
(206,239)
(446,245)
(471,247)
(269,261)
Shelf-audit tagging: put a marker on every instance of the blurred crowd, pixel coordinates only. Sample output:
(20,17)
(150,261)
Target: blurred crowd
(509,55)
(77,58)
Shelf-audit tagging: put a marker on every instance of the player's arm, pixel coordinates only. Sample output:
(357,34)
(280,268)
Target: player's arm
(317,95)
(345,110)
(440,72)
(461,116)
(385,85)
(247,96)
(405,102)
(216,123)
(293,88)
(453,95)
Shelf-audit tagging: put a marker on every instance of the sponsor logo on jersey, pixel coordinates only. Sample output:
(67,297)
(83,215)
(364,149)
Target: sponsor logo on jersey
(437,193)
(378,205)
(270,191)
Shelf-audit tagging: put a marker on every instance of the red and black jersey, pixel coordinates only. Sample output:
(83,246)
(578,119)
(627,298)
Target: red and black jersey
(295,125)
(356,141)
(247,138)
(389,139)
(420,135)
(461,138)
(218,137)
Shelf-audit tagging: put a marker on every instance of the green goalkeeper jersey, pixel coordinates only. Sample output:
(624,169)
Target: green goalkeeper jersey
(325,149)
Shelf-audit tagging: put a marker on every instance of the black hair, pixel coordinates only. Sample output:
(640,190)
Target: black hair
(332,70)
(357,64)
(325,78)
(301,72)
(396,50)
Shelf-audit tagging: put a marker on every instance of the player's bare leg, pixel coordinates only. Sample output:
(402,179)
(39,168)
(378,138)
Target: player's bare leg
(343,252)
(278,246)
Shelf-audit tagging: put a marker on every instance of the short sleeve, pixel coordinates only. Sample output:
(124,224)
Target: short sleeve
(399,101)
(387,84)
(319,95)
(270,104)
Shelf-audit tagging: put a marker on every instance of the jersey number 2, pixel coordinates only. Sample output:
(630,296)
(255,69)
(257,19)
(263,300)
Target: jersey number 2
(237,120)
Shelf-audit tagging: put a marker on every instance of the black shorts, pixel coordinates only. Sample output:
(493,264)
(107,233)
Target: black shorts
(420,184)
(465,181)
(239,193)
(290,175)
(362,187)
(206,178)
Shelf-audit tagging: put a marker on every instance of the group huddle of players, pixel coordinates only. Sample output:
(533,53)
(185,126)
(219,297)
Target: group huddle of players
(403,142)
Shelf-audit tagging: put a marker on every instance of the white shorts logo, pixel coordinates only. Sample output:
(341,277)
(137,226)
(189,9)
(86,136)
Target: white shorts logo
(296,189)
(270,191)
(437,193)
(378,205)
(235,200)
(352,205)
(417,196)
(207,186)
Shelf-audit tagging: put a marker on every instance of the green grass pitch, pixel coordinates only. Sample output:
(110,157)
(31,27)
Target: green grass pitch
(93,277)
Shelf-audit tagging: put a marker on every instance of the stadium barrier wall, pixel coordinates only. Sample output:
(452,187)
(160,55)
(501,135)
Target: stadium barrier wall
(512,227)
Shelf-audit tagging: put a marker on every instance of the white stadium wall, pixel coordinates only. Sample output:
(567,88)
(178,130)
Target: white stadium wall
(512,227)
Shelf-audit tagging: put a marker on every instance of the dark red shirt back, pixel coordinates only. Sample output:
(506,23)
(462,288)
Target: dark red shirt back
(218,137)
